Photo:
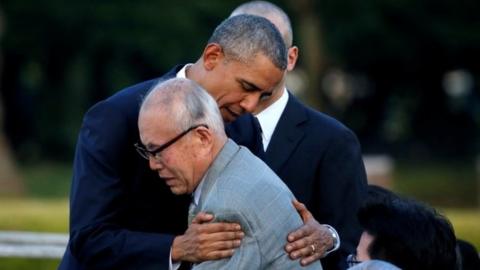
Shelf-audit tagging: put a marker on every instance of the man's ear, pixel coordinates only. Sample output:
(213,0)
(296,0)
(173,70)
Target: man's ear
(212,56)
(292,57)
(204,137)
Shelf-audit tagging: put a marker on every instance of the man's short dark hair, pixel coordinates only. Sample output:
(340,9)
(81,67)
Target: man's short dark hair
(244,36)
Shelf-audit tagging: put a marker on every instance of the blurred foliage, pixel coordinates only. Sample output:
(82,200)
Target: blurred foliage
(47,180)
(443,184)
(404,49)
(62,57)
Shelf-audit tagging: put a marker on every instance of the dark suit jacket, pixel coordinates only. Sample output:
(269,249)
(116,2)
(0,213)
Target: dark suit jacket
(320,161)
(122,216)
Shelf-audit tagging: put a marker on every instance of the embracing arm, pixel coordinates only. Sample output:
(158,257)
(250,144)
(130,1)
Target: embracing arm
(99,236)
(311,241)
(105,232)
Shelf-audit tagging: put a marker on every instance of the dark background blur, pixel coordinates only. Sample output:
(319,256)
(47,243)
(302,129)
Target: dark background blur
(404,75)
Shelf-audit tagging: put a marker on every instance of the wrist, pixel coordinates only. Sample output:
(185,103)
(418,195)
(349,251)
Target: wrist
(335,239)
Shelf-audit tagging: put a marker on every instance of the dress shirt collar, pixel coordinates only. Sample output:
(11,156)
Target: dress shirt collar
(198,191)
(182,73)
(269,117)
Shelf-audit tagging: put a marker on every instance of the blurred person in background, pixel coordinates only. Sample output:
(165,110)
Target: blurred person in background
(404,233)
(467,256)
(315,155)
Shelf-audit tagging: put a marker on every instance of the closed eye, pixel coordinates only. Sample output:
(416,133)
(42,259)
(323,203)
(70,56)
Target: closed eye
(249,87)
(265,95)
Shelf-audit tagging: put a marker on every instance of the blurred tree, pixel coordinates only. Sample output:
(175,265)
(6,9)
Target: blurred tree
(404,49)
(310,40)
(63,56)
(10,181)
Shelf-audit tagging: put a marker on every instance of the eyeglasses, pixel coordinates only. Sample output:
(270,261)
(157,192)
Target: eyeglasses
(352,260)
(146,154)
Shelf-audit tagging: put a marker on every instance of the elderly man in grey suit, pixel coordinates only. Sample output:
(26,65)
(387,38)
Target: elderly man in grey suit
(184,138)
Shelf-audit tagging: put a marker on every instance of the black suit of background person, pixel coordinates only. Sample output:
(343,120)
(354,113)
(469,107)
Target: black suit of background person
(315,155)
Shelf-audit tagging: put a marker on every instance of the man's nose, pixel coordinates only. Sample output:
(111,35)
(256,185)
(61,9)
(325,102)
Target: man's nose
(154,164)
(250,102)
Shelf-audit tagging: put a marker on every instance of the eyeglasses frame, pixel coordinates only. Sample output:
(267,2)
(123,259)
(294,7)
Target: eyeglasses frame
(146,154)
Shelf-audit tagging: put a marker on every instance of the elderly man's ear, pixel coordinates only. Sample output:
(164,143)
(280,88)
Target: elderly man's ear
(204,139)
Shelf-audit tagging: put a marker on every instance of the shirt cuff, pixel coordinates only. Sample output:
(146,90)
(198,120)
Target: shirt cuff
(336,239)
(171,264)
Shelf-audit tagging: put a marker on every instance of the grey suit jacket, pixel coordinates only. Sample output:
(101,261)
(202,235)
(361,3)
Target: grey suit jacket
(239,187)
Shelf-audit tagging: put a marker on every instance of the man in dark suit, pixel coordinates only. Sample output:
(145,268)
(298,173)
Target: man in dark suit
(315,155)
(121,215)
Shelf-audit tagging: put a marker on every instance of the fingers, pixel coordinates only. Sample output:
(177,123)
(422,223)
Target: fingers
(302,210)
(307,250)
(310,259)
(218,227)
(202,218)
(298,205)
(221,237)
(210,249)
(294,248)
(222,245)
(218,254)
(215,245)
(207,241)
(302,232)
(309,242)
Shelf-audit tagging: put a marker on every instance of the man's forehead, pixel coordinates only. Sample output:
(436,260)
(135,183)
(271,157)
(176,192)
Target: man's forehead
(255,66)
(154,121)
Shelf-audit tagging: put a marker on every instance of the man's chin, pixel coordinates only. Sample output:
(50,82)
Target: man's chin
(228,116)
(178,191)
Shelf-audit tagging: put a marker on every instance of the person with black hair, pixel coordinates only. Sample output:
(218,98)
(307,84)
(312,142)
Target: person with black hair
(404,232)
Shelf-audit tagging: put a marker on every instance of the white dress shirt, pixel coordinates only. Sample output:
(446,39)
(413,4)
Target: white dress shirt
(182,73)
(269,117)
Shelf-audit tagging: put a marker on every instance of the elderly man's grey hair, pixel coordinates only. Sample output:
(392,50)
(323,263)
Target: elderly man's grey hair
(186,104)
(244,36)
(266,9)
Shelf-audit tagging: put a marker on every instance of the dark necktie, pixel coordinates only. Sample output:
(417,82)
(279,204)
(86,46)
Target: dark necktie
(258,144)
(185,266)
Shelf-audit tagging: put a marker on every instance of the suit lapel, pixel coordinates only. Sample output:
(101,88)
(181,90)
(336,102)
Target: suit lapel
(287,135)
(229,150)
